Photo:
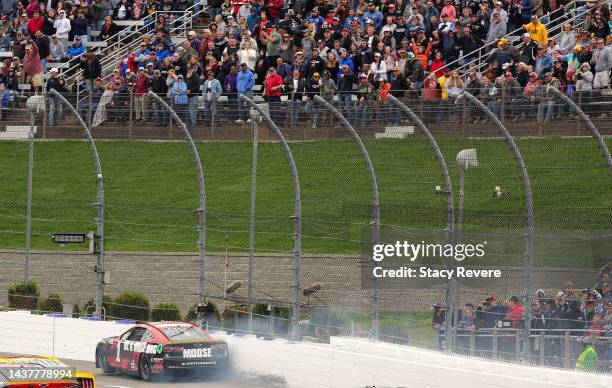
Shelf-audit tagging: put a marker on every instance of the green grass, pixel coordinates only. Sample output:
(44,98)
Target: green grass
(151,191)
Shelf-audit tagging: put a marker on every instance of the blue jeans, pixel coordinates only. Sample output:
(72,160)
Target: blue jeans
(158,114)
(193,111)
(546,110)
(55,111)
(211,112)
(311,112)
(495,107)
(243,108)
(361,113)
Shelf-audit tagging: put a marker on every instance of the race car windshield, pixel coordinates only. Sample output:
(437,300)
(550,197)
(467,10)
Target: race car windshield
(184,333)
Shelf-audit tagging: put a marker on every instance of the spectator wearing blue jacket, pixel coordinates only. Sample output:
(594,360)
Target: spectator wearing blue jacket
(345,59)
(544,61)
(161,52)
(142,55)
(526,7)
(374,15)
(315,18)
(76,50)
(244,85)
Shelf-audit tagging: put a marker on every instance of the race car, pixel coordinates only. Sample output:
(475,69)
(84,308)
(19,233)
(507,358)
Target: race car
(40,371)
(147,349)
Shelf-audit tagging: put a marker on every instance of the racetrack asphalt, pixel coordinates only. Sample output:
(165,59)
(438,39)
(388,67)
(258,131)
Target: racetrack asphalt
(230,380)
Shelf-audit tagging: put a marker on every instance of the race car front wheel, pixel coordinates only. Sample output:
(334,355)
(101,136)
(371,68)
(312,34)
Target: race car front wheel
(103,361)
(144,368)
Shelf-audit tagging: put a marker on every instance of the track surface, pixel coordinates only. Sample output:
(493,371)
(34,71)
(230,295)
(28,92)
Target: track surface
(231,380)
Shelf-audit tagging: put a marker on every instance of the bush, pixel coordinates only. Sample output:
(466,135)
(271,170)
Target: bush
(89,307)
(53,304)
(165,312)
(212,317)
(23,296)
(130,305)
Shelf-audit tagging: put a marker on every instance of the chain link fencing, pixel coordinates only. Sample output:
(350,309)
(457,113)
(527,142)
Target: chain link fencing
(151,215)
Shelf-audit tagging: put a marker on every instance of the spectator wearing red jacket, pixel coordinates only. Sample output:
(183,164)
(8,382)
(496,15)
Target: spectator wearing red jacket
(141,88)
(35,24)
(515,313)
(273,87)
(274,9)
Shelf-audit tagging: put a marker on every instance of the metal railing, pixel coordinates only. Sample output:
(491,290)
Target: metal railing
(558,348)
(551,26)
(119,44)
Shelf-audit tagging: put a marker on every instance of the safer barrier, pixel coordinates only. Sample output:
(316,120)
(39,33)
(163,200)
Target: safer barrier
(345,362)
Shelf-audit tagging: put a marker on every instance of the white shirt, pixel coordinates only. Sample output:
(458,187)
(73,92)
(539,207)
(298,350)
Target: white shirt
(62,27)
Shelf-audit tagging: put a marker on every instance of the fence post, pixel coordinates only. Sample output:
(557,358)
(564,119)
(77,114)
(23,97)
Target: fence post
(375,205)
(99,205)
(296,217)
(26,274)
(472,342)
(566,350)
(494,346)
(130,114)
(352,328)
(272,318)
(255,128)
(201,210)
(517,345)
(542,345)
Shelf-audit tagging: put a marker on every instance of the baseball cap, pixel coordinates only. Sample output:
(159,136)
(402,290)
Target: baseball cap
(315,74)
(53,70)
(141,68)
(180,76)
(526,35)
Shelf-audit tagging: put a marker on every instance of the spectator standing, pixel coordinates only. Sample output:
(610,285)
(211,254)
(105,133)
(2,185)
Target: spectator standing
(245,81)
(87,107)
(546,108)
(42,43)
(231,91)
(537,30)
(528,52)
(497,28)
(584,79)
(158,86)
(313,88)
(55,106)
(62,27)
(48,21)
(211,92)
(543,62)
(35,24)
(122,11)
(365,93)
(295,87)
(273,85)
(141,88)
(193,92)
(33,68)
(179,97)
(602,61)
(90,65)
(78,26)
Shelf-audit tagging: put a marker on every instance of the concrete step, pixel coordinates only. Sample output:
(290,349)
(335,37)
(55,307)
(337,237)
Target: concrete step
(19,128)
(390,135)
(13,135)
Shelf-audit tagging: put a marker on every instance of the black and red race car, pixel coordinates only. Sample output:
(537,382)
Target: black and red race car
(147,349)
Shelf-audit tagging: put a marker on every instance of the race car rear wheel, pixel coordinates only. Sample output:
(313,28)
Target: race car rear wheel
(102,358)
(144,368)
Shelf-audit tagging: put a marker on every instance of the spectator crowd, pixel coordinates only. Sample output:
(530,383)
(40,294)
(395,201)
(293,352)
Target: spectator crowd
(352,51)
(585,314)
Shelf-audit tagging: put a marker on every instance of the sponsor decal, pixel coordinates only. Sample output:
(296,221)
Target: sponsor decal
(142,347)
(197,353)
